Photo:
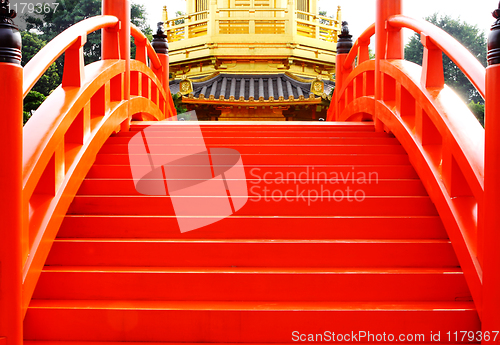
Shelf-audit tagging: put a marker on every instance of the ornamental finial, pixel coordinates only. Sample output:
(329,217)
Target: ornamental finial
(344,43)
(10,38)
(160,43)
(160,29)
(6,12)
(494,40)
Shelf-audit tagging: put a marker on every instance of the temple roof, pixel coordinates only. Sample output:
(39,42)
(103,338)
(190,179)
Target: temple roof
(272,87)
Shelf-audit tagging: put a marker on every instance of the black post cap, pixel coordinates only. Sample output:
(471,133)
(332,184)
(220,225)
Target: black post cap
(10,38)
(160,43)
(494,40)
(344,44)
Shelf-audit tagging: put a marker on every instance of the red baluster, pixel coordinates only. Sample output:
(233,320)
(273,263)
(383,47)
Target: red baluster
(491,258)
(11,139)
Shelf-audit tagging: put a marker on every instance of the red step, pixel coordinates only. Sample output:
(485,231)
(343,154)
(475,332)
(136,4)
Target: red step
(295,204)
(257,227)
(376,187)
(121,270)
(380,171)
(273,322)
(252,253)
(221,128)
(290,149)
(224,141)
(242,133)
(281,159)
(252,284)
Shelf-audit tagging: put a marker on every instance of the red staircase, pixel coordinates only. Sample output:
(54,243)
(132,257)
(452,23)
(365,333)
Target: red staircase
(120,270)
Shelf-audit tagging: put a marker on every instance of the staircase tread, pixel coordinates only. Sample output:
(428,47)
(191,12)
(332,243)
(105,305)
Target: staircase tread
(282,166)
(134,270)
(433,306)
(264,145)
(254,270)
(60,342)
(254,217)
(274,154)
(251,123)
(335,135)
(273,241)
(282,181)
(238,196)
(258,129)
(57,342)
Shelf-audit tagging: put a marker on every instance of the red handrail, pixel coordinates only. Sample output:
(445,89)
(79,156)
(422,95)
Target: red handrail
(39,64)
(60,147)
(451,169)
(140,38)
(442,137)
(462,57)
(63,137)
(364,37)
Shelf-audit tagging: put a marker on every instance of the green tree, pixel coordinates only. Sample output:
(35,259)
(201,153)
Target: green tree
(71,12)
(478,110)
(32,44)
(470,36)
(324,14)
(31,103)
(179,106)
(68,13)
(45,27)
(138,18)
(179,14)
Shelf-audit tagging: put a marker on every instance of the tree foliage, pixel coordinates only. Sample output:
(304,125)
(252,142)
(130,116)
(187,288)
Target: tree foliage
(31,103)
(179,106)
(478,110)
(45,27)
(68,13)
(470,36)
(179,14)
(71,12)
(138,18)
(32,44)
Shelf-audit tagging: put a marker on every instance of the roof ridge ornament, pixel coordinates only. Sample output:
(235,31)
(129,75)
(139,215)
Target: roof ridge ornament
(186,86)
(318,86)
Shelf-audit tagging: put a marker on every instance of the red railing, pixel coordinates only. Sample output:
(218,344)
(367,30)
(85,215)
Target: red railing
(72,39)
(159,64)
(443,42)
(445,142)
(443,139)
(60,146)
(61,140)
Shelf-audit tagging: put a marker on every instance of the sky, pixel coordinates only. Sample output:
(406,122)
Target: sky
(361,13)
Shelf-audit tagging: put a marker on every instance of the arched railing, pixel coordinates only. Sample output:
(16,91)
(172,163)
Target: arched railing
(445,142)
(62,138)
(72,39)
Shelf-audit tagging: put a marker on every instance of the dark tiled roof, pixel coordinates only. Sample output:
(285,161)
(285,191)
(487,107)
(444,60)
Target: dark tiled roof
(252,87)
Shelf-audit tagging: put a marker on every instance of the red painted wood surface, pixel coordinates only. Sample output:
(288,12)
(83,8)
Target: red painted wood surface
(120,270)
(105,264)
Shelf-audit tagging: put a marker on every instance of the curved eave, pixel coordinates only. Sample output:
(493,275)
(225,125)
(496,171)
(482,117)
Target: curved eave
(255,103)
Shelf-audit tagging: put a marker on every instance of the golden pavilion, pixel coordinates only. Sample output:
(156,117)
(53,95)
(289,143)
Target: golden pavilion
(253,59)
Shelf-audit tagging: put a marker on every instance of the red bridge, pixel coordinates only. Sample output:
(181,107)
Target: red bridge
(404,247)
